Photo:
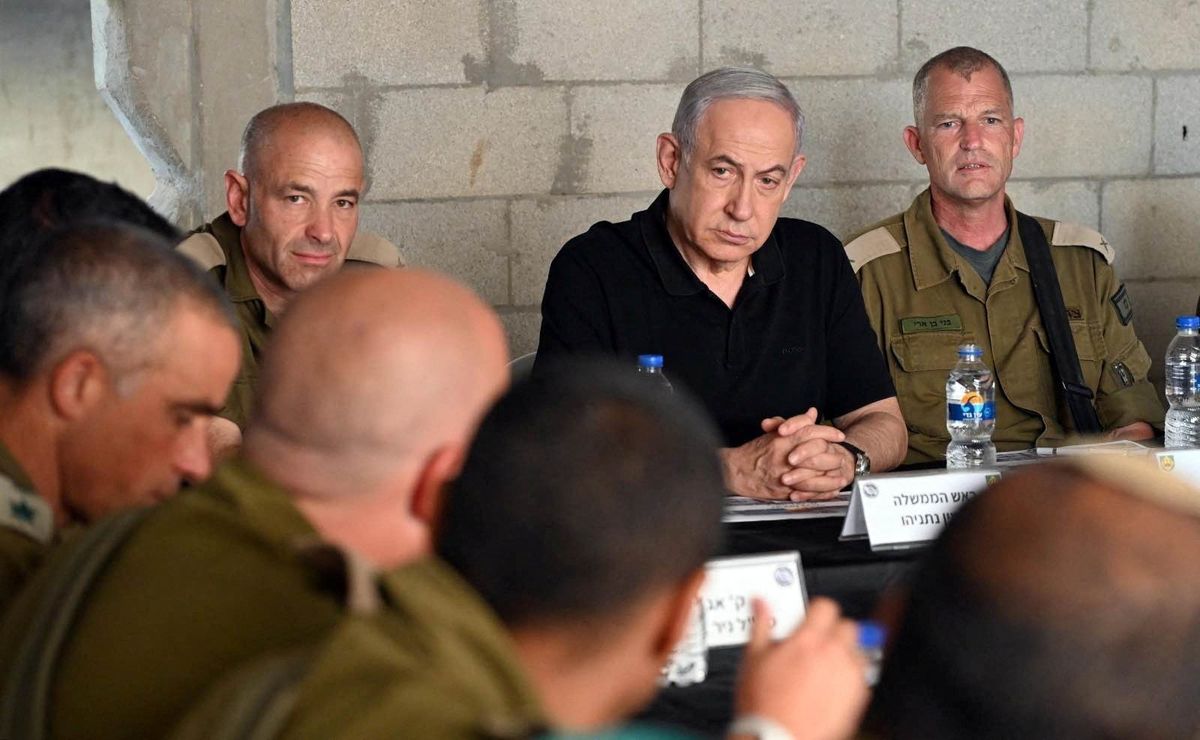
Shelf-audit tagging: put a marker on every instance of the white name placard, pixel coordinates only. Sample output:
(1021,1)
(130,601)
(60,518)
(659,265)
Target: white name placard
(733,582)
(897,510)
(1182,462)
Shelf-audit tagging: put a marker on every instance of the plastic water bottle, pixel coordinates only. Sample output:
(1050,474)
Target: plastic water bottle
(652,366)
(1183,384)
(970,411)
(688,663)
(871,636)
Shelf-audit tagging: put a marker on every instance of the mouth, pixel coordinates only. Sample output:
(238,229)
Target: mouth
(973,167)
(738,240)
(316,259)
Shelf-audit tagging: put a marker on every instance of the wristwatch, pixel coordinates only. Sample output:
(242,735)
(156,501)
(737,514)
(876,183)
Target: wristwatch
(862,463)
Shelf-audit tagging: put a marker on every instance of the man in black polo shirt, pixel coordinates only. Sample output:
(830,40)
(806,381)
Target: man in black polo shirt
(758,316)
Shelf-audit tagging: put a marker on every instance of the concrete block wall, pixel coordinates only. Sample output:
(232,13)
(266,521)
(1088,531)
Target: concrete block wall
(497,129)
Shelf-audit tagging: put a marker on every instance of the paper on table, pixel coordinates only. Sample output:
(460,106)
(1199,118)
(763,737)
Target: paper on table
(742,509)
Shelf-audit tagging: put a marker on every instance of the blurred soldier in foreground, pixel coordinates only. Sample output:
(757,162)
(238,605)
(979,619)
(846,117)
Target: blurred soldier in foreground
(114,354)
(570,553)
(1063,603)
(372,387)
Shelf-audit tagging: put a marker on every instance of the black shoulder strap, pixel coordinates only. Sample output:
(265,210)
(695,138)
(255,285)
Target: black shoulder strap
(1054,317)
(25,706)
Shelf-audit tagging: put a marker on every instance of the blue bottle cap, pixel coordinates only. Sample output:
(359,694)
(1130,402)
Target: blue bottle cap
(871,635)
(650,361)
(1187,322)
(970,350)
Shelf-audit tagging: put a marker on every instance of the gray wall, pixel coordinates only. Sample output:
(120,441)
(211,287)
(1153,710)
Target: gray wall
(496,130)
(52,114)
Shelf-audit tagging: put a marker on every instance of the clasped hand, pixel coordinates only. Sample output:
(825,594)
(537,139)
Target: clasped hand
(794,459)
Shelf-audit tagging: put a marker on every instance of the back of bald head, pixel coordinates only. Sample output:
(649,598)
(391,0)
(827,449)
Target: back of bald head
(1062,603)
(268,127)
(371,370)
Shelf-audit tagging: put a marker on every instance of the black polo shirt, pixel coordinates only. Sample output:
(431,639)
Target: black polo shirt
(797,335)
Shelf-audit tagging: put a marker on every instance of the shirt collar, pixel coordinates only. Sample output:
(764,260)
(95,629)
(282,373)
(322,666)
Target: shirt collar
(933,266)
(674,272)
(238,285)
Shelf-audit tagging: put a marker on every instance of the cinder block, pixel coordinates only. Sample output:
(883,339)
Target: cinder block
(1081,126)
(854,131)
(1177,126)
(820,37)
(1153,226)
(402,42)
(1078,202)
(522,327)
(614,129)
(540,227)
(436,143)
(1052,36)
(466,239)
(1152,35)
(848,209)
(584,40)
(1156,303)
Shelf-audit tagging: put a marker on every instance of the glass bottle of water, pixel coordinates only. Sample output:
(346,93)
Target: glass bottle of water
(652,366)
(1182,371)
(970,411)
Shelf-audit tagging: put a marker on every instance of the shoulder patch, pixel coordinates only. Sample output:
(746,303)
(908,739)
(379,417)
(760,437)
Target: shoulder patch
(203,249)
(871,245)
(368,247)
(1077,235)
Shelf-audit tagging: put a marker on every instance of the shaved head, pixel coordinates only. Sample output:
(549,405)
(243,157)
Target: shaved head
(1064,602)
(269,130)
(373,369)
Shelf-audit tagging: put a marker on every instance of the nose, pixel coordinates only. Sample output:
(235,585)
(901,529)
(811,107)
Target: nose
(740,206)
(971,137)
(320,226)
(193,459)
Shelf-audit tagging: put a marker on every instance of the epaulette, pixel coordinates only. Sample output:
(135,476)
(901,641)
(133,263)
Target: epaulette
(373,248)
(873,244)
(1077,235)
(203,249)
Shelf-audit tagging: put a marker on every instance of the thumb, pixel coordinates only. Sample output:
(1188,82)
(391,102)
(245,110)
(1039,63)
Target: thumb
(771,424)
(760,631)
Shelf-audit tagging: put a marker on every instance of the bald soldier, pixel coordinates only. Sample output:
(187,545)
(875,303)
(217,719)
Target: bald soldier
(954,268)
(115,352)
(1078,622)
(292,220)
(373,384)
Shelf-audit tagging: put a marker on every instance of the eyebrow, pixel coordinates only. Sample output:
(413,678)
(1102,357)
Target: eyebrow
(346,193)
(726,159)
(199,407)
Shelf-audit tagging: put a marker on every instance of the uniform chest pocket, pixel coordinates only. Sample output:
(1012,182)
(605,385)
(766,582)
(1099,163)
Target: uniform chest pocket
(1089,345)
(920,365)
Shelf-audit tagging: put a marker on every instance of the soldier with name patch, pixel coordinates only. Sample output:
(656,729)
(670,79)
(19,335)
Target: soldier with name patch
(953,268)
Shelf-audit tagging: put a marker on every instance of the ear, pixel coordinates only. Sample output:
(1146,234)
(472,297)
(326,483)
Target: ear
(77,382)
(669,158)
(794,172)
(912,140)
(237,196)
(678,615)
(434,477)
(1018,135)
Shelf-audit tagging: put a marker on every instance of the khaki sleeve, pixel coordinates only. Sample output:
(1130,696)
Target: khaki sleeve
(1125,395)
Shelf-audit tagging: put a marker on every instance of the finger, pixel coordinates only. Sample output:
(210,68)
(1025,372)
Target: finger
(821,431)
(823,486)
(826,462)
(822,615)
(772,424)
(760,630)
(810,448)
(798,422)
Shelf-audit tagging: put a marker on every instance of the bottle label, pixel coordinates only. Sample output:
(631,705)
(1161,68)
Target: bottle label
(971,407)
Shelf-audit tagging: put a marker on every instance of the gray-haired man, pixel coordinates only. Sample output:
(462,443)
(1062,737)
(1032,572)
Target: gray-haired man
(758,316)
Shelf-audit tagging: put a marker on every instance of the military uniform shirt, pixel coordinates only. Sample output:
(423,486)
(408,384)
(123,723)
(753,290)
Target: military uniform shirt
(26,528)
(217,247)
(209,580)
(924,301)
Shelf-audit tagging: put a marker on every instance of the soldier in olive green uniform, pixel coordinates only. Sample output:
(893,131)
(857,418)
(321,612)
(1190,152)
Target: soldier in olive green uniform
(26,528)
(218,575)
(217,248)
(571,550)
(952,269)
(292,219)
